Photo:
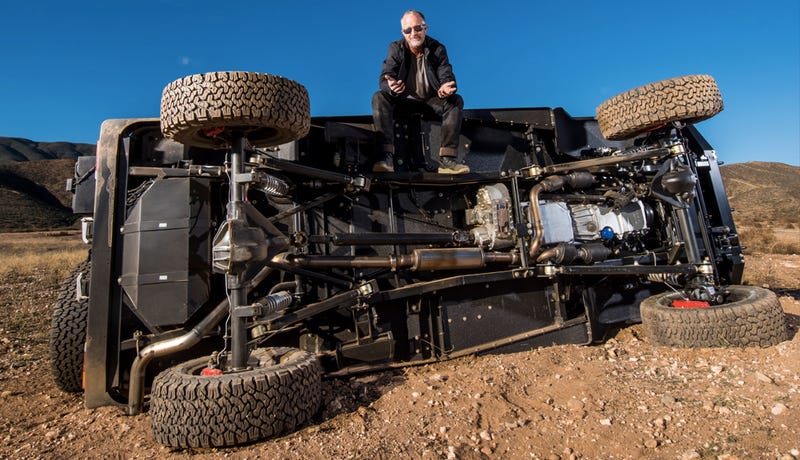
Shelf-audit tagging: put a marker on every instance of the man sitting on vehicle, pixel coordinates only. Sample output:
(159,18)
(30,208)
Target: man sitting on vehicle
(417,71)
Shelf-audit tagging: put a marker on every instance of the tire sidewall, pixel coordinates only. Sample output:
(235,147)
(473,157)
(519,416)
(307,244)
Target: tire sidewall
(751,316)
(267,400)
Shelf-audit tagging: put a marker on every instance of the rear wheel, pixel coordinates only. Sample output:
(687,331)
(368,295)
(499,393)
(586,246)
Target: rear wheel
(690,99)
(68,332)
(280,392)
(204,110)
(751,316)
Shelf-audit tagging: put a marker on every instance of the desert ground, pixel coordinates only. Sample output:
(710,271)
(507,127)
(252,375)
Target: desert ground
(622,398)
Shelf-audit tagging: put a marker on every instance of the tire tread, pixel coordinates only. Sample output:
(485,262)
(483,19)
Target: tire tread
(755,318)
(691,98)
(191,411)
(270,110)
(68,333)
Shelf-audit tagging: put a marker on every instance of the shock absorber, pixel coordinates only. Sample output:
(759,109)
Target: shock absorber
(680,182)
(689,238)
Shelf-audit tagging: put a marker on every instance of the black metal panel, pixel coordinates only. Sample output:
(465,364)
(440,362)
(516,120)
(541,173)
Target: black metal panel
(165,264)
(484,147)
(575,136)
(478,314)
(534,117)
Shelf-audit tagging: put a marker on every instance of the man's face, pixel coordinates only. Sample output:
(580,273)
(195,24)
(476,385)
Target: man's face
(414,37)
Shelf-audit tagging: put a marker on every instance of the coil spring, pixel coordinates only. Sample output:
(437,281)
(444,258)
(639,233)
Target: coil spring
(271,185)
(275,302)
(669,278)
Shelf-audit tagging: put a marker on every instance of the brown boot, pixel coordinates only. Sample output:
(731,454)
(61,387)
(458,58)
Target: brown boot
(449,165)
(385,164)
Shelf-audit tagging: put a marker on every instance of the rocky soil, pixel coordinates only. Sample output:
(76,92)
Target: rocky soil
(624,398)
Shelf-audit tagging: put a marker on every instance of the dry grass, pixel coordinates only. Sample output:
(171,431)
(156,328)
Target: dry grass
(761,273)
(770,238)
(49,254)
(776,271)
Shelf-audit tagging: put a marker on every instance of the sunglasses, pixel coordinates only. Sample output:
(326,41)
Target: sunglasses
(417,28)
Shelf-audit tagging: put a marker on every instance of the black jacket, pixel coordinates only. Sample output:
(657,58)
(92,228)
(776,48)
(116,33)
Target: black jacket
(399,58)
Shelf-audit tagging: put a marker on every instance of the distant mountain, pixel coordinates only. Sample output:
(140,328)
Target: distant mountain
(14,149)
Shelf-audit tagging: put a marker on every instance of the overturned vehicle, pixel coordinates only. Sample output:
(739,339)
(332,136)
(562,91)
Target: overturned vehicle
(241,250)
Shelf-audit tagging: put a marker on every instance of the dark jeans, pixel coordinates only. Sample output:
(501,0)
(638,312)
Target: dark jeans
(383,110)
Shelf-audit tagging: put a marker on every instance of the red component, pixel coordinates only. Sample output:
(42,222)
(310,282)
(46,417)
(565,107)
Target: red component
(213,132)
(656,127)
(209,371)
(678,303)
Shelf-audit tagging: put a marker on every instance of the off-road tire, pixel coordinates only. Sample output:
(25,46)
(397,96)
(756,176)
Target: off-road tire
(191,410)
(689,99)
(68,333)
(269,110)
(751,316)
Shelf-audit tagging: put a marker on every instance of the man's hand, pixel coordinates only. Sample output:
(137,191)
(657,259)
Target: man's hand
(447,89)
(397,86)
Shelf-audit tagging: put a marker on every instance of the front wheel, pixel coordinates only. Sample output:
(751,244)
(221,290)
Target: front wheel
(281,391)
(750,316)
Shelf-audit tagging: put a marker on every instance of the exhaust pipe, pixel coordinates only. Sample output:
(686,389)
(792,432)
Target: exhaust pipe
(419,259)
(166,347)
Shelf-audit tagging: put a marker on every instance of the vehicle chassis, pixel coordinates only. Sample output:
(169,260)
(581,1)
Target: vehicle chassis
(373,271)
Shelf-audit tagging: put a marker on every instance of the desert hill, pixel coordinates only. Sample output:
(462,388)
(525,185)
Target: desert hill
(763,192)
(13,149)
(33,195)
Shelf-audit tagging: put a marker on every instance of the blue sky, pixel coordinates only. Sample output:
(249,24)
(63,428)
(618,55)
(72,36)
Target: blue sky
(69,65)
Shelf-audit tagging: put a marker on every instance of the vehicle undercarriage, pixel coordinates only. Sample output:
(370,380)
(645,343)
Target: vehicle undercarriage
(254,247)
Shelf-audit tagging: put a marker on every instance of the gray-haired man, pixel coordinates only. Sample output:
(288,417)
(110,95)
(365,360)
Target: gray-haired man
(417,71)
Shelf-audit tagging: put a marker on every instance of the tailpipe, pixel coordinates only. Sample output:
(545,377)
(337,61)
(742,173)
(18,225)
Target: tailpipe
(167,347)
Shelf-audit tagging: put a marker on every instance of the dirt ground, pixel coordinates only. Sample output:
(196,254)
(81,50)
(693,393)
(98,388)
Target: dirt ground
(624,398)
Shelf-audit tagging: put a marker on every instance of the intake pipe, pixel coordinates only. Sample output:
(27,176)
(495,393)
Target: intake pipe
(576,180)
(167,347)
